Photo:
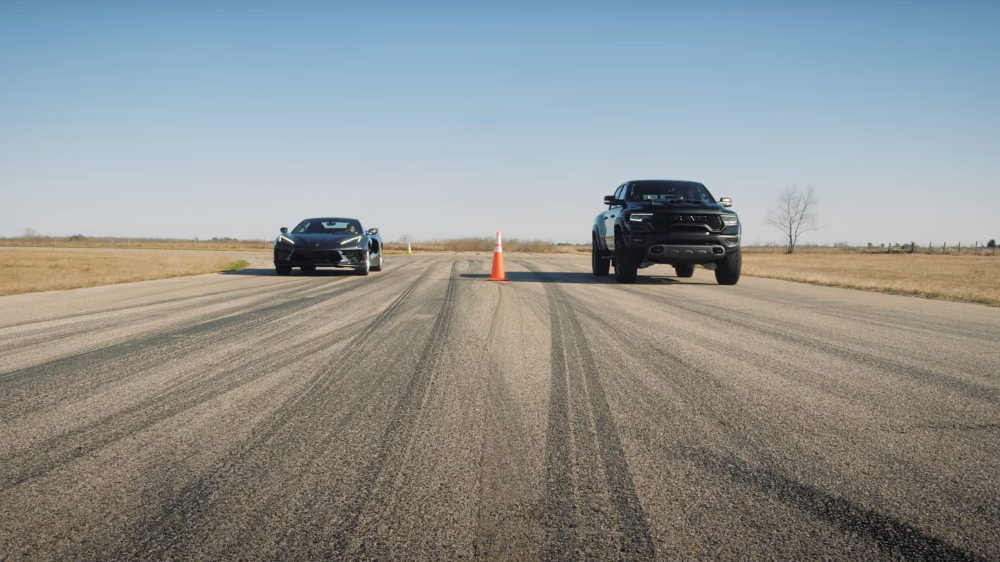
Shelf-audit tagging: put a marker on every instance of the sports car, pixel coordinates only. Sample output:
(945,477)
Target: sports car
(328,242)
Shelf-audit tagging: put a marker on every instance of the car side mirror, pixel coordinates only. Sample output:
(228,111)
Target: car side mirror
(372,231)
(726,202)
(284,230)
(610,200)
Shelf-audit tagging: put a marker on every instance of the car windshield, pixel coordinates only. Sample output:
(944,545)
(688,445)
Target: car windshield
(328,226)
(669,191)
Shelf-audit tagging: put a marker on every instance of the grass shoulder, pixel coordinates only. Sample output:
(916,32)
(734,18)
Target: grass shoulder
(967,278)
(28,271)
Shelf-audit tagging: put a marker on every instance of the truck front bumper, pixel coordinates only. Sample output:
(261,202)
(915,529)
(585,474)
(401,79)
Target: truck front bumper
(682,248)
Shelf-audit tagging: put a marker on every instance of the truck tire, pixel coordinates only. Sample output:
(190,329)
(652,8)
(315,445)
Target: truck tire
(283,269)
(727,270)
(684,270)
(600,264)
(626,264)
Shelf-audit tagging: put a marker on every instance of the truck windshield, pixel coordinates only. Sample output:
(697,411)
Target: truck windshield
(669,191)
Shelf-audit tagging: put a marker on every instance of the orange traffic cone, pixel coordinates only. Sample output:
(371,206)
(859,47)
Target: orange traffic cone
(498,273)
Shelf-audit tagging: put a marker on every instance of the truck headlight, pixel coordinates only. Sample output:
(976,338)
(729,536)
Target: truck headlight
(730,220)
(639,217)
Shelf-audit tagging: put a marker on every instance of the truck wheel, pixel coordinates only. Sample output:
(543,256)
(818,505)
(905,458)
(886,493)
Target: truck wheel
(684,270)
(727,270)
(599,264)
(283,269)
(626,266)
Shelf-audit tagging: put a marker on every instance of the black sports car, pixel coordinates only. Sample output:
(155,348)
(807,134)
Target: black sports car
(328,242)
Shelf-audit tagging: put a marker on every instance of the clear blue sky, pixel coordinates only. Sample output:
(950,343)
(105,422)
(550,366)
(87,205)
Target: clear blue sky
(176,119)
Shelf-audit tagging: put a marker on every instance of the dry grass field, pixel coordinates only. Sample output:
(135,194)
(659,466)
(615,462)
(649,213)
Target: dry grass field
(30,271)
(967,278)
(136,243)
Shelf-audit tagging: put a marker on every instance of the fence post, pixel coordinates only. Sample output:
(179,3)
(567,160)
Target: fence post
(959,248)
(944,247)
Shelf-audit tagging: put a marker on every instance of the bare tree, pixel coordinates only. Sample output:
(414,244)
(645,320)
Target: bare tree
(795,214)
(30,233)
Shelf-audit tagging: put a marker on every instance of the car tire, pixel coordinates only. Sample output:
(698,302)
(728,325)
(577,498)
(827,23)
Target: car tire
(381,259)
(626,264)
(283,270)
(308,269)
(684,270)
(727,270)
(363,270)
(599,264)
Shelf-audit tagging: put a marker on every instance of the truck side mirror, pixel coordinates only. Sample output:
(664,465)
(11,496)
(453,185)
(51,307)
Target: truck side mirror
(610,200)
(284,230)
(726,202)
(372,231)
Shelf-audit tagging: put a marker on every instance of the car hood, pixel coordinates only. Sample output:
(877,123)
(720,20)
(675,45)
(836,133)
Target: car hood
(326,241)
(662,205)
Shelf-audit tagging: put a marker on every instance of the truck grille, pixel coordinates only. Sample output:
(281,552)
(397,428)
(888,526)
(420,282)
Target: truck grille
(684,220)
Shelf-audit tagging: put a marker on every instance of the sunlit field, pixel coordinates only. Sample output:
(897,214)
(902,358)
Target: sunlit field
(136,243)
(30,271)
(967,278)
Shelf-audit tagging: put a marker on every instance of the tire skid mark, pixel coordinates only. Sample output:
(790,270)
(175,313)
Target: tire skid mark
(790,334)
(570,351)
(181,396)
(190,393)
(207,332)
(85,323)
(141,314)
(880,317)
(375,483)
(892,535)
(196,500)
(504,431)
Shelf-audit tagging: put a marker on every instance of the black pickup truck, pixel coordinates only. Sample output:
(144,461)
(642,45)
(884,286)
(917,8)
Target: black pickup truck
(677,223)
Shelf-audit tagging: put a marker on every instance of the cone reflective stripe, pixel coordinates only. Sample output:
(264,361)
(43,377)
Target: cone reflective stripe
(498,272)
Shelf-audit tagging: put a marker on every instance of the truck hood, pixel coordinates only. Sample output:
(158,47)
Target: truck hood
(663,205)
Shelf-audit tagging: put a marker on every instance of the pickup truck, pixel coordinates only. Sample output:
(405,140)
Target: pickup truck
(676,223)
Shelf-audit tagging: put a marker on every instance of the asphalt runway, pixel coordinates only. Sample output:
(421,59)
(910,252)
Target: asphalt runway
(424,413)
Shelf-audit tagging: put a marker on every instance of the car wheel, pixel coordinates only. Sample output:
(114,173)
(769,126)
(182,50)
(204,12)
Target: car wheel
(364,269)
(684,270)
(600,264)
(308,268)
(727,270)
(381,260)
(283,269)
(626,266)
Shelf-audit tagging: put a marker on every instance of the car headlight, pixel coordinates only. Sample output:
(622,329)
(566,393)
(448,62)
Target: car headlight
(639,217)
(282,239)
(730,220)
(352,240)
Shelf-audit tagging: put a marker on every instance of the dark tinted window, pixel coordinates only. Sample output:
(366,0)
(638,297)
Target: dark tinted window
(669,190)
(328,226)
